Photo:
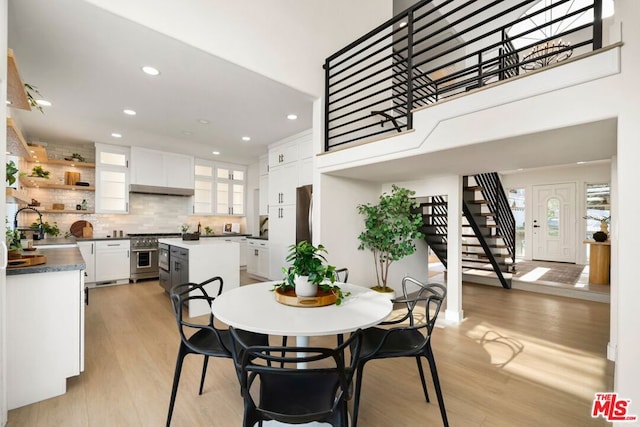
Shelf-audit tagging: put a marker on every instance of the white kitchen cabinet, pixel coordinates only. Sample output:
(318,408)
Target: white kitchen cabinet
(161,169)
(44,334)
(305,171)
(283,181)
(283,154)
(263,199)
(112,179)
(88,251)
(263,165)
(282,234)
(203,194)
(242,241)
(230,185)
(258,258)
(112,261)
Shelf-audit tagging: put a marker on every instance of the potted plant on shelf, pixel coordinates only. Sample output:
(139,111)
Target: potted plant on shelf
(39,172)
(309,271)
(391,226)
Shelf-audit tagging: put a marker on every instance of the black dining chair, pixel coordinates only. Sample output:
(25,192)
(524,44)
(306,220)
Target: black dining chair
(409,336)
(201,338)
(275,387)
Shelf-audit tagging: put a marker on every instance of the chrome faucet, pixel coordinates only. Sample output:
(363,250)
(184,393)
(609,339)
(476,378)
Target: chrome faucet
(40,226)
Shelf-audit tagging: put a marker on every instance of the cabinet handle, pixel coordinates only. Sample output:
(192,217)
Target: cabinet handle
(92,249)
(255,252)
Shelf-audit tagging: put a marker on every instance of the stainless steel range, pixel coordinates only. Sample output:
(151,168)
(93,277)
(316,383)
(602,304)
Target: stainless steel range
(144,251)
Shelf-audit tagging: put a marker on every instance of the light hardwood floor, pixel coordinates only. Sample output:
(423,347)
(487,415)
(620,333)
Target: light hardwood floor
(518,359)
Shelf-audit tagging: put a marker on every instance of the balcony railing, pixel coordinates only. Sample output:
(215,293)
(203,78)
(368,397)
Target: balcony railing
(441,48)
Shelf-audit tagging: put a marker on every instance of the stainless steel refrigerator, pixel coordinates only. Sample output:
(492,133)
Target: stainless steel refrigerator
(304,209)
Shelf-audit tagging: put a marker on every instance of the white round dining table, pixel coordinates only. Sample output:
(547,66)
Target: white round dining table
(254,308)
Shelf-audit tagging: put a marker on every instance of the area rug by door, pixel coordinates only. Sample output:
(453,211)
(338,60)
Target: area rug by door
(541,271)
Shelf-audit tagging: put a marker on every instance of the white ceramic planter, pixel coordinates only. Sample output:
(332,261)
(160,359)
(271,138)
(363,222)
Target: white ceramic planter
(304,288)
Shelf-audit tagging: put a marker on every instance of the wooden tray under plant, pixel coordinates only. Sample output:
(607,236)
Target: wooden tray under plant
(321,299)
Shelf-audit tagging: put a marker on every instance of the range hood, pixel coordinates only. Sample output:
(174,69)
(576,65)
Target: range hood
(167,191)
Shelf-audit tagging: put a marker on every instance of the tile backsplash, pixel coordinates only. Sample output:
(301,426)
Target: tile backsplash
(148,213)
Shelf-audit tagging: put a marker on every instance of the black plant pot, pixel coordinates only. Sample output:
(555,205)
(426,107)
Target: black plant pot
(600,236)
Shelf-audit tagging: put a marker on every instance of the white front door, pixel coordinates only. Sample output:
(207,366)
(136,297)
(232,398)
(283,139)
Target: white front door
(554,223)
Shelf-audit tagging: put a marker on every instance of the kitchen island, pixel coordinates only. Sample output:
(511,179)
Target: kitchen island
(45,326)
(198,260)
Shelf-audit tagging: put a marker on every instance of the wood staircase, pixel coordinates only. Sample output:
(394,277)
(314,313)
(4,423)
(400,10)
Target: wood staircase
(488,235)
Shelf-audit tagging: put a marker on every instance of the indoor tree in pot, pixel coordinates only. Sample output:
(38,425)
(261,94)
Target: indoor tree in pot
(391,226)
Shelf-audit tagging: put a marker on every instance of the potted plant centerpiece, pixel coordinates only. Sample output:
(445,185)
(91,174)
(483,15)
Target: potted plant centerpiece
(391,226)
(309,270)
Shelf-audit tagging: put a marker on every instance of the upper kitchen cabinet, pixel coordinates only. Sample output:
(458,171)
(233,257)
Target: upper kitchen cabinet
(203,195)
(283,154)
(112,179)
(161,169)
(230,185)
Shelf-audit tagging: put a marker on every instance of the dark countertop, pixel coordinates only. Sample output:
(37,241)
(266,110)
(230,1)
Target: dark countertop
(226,235)
(92,239)
(59,259)
(258,237)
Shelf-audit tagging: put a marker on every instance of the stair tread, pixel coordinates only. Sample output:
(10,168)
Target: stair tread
(434,204)
(481,254)
(473,187)
(478,202)
(482,261)
(479,245)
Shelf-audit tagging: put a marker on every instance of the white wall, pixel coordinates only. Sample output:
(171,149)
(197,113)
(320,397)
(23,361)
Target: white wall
(341,224)
(581,175)
(285,40)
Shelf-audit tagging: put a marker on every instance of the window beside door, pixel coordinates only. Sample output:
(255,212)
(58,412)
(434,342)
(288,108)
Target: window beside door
(598,199)
(516,201)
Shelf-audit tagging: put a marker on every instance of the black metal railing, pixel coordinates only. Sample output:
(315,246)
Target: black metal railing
(498,204)
(430,52)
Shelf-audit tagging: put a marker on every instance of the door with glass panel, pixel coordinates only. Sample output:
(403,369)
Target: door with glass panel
(554,222)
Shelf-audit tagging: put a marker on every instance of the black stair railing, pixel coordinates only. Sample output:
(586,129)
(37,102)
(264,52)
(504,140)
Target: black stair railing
(432,51)
(498,204)
(435,224)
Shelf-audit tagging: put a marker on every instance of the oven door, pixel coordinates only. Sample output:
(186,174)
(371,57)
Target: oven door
(145,259)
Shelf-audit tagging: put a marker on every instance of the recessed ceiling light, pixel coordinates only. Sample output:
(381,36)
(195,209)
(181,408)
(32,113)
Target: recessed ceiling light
(129,112)
(116,135)
(8,102)
(43,102)
(580,163)
(402,24)
(150,70)
(203,121)
(215,153)
(246,138)
(292,117)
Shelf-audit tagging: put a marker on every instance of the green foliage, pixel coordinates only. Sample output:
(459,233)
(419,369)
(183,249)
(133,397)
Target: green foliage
(185,227)
(51,230)
(12,237)
(31,90)
(39,172)
(308,260)
(12,169)
(391,227)
(208,230)
(78,157)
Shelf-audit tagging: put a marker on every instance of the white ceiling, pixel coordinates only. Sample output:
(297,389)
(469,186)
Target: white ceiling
(589,142)
(87,62)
